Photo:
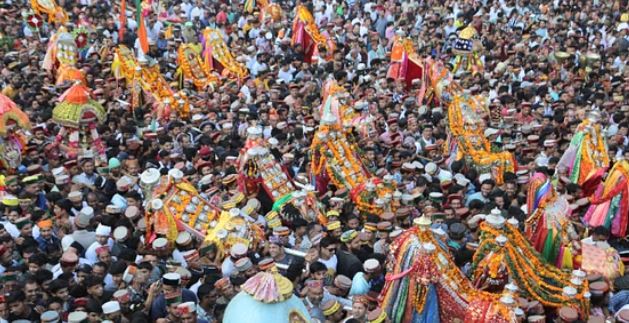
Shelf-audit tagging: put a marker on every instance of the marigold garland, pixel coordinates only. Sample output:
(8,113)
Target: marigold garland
(151,81)
(407,283)
(535,278)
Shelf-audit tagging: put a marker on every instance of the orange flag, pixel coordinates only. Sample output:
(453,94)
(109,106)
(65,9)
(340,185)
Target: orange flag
(123,19)
(144,40)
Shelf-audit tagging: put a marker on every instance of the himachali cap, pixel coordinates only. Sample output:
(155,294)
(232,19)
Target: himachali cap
(111,307)
(333,225)
(313,283)
(129,273)
(371,265)
(266,264)
(623,314)
(113,209)
(10,201)
(243,264)
(20,223)
(343,282)
(363,299)
(348,236)
(384,226)
(160,244)
(122,296)
(431,168)
(45,224)
(599,288)
(568,314)
(387,216)
(171,279)
(436,197)
(49,317)
(183,238)
(330,307)
(62,179)
(75,196)
(403,212)
(550,143)
(120,233)
(77,317)
(191,255)
(376,316)
(222,283)
(281,231)
(186,308)
(370,226)
(184,273)
(102,249)
(332,213)
(395,233)
(229,179)
(103,230)
(316,239)
(238,250)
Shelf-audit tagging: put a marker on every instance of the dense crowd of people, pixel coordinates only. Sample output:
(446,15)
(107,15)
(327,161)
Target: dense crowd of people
(72,228)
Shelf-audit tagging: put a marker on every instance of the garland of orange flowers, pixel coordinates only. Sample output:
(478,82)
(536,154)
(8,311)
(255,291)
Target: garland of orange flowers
(151,81)
(220,52)
(311,28)
(337,156)
(193,68)
(334,154)
(530,268)
(448,276)
(482,156)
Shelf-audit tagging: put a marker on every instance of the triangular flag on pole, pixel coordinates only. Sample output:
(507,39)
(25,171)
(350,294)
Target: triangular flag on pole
(142,35)
(122,19)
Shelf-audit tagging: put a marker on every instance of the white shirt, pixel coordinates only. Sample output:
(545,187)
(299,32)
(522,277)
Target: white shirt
(90,253)
(285,76)
(178,257)
(197,12)
(56,269)
(187,7)
(305,244)
(195,287)
(15,232)
(330,263)
(228,267)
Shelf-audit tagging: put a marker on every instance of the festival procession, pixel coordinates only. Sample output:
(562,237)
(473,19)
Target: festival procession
(321,161)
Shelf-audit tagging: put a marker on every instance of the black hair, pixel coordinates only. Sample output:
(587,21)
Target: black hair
(317,266)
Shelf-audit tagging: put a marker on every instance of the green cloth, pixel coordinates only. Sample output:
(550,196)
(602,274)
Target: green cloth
(281,201)
(551,247)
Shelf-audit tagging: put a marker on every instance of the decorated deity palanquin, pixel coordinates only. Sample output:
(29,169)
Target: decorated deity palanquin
(424,285)
(503,246)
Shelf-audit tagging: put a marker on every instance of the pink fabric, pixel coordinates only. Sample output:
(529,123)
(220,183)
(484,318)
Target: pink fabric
(599,214)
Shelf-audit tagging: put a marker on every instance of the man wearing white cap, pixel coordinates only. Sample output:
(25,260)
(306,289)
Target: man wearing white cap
(111,310)
(102,239)
(170,286)
(188,314)
(236,252)
(81,222)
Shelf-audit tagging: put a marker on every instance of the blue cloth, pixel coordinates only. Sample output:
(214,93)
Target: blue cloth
(476,196)
(43,244)
(619,300)
(360,285)
(430,314)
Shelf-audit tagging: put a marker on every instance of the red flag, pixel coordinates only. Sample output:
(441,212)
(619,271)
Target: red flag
(123,20)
